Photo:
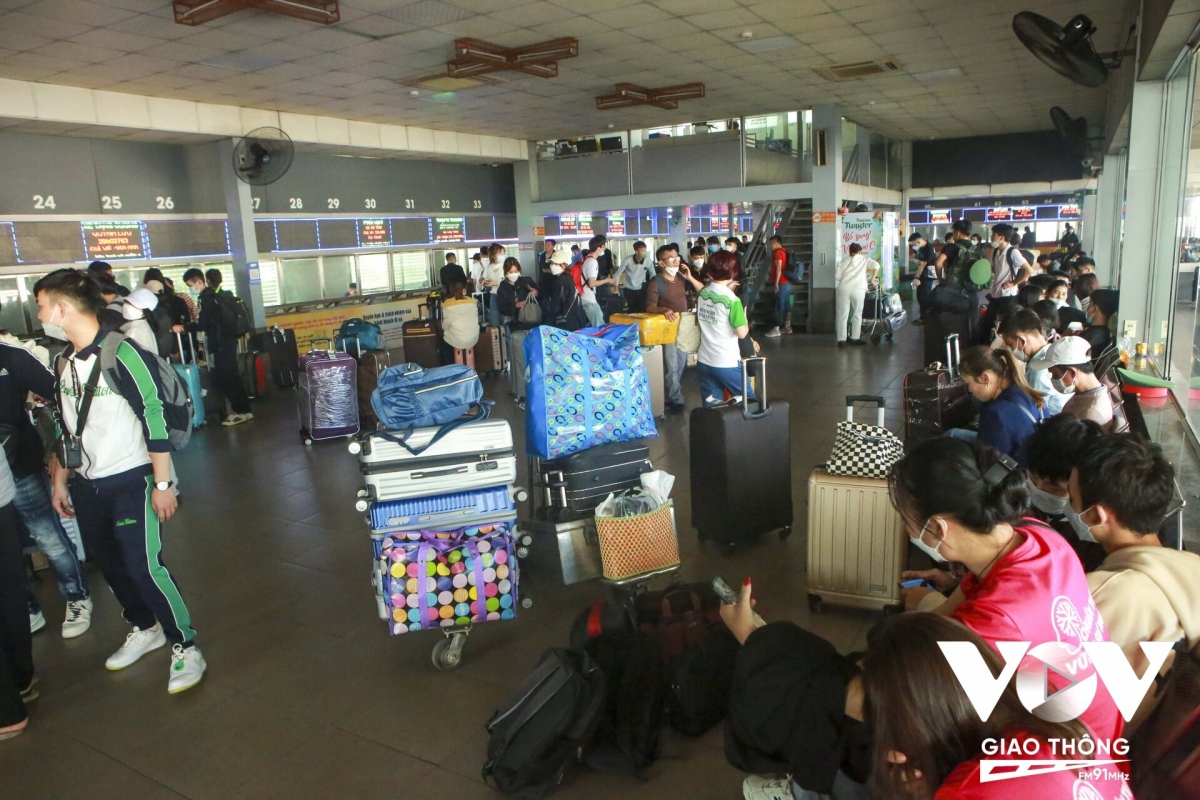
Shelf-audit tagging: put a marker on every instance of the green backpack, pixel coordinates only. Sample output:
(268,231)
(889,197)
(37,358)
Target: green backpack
(970,269)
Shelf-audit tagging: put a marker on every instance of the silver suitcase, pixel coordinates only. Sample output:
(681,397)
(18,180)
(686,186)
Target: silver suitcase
(653,357)
(472,456)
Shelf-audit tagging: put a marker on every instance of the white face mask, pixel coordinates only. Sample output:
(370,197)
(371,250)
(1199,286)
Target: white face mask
(671,270)
(131,312)
(1061,387)
(1081,528)
(54,330)
(512,276)
(932,552)
(1060,303)
(1049,503)
(1019,354)
(556,269)
(998,243)
(731,248)
(697,262)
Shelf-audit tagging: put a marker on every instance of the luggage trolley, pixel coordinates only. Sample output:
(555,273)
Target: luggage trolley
(885,312)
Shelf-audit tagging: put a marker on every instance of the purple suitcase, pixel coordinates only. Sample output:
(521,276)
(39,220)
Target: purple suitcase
(327,394)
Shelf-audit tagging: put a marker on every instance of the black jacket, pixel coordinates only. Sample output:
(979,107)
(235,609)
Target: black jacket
(21,373)
(509,294)
(561,299)
(450,275)
(787,710)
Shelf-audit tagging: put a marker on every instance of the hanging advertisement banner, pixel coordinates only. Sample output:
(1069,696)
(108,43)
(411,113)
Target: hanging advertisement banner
(324,323)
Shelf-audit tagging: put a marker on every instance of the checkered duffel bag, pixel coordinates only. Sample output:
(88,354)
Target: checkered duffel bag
(861,450)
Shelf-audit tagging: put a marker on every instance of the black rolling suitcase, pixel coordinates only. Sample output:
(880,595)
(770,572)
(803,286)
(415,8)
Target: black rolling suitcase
(421,338)
(280,346)
(572,486)
(940,324)
(741,465)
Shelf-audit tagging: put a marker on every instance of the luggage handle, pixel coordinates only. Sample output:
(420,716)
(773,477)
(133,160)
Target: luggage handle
(764,408)
(195,348)
(482,411)
(329,351)
(952,356)
(878,400)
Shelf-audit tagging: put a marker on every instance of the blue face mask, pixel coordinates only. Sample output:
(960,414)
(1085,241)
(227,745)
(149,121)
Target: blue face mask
(932,552)
(712,248)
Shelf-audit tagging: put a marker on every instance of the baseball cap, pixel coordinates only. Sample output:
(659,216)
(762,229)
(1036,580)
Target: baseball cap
(561,255)
(1066,352)
(142,298)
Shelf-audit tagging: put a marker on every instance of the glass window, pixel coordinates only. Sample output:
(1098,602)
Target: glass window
(410,270)
(373,275)
(338,271)
(894,167)
(1045,231)
(12,315)
(301,280)
(269,271)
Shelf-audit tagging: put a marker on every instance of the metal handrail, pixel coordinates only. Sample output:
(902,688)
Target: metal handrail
(753,274)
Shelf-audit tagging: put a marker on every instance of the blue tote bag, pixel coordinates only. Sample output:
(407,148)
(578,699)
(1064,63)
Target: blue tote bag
(584,389)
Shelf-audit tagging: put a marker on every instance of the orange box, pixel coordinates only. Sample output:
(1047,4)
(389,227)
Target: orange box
(653,329)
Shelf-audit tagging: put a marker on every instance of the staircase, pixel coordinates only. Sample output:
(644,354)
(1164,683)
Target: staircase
(795,228)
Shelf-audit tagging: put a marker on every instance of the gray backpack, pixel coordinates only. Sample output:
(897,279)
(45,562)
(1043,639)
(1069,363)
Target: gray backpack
(178,405)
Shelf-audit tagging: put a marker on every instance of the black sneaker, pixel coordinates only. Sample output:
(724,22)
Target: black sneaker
(676,408)
(842,343)
(858,341)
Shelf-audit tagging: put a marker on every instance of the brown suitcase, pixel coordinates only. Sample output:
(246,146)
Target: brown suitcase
(421,338)
(489,350)
(370,365)
(936,399)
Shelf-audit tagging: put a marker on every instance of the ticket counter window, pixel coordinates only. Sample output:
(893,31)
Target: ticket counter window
(337,275)
(373,273)
(410,270)
(301,280)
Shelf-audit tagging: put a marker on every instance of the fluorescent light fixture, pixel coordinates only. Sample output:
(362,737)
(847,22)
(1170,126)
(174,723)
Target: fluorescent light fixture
(769,44)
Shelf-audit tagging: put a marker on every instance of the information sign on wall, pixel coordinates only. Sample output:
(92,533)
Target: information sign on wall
(373,233)
(1069,210)
(939,216)
(999,214)
(108,240)
(1024,213)
(616,223)
(449,229)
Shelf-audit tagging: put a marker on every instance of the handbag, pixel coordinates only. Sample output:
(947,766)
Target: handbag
(530,313)
(359,333)
(585,389)
(952,297)
(410,396)
(861,450)
(635,545)
(687,340)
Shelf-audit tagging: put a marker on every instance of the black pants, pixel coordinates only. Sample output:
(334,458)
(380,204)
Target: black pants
(227,377)
(16,643)
(121,531)
(636,298)
(923,292)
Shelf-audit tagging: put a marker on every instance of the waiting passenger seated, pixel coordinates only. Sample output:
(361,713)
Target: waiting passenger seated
(1122,490)
(1069,364)
(1054,450)
(1101,313)
(460,318)
(1009,410)
(1024,334)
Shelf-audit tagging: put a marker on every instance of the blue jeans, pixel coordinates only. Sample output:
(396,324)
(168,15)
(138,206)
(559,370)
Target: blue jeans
(674,362)
(33,507)
(783,293)
(715,380)
(962,433)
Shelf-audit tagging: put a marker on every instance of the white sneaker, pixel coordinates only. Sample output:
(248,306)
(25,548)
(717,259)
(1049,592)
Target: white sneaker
(37,622)
(78,619)
(249,415)
(137,644)
(187,668)
(773,333)
(756,787)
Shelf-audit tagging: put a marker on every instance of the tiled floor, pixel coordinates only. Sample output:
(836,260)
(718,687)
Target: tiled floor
(306,696)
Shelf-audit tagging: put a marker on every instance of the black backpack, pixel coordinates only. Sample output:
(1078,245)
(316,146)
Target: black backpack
(234,319)
(541,731)
(627,736)
(793,270)
(700,681)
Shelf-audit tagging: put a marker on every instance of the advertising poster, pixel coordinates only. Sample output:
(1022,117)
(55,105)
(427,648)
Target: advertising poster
(324,323)
(878,233)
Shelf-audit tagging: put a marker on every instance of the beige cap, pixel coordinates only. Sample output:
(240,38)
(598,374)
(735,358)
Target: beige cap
(562,255)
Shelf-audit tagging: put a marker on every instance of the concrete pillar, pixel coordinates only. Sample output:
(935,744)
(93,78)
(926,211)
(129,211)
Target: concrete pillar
(1103,219)
(243,244)
(524,181)
(827,196)
(1159,138)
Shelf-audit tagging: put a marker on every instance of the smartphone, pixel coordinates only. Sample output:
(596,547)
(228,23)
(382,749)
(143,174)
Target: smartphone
(729,598)
(924,584)
(724,592)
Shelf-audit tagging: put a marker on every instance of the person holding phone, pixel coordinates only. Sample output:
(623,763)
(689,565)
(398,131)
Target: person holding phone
(670,293)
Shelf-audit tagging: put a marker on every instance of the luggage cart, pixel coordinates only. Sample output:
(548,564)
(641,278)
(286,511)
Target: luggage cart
(884,320)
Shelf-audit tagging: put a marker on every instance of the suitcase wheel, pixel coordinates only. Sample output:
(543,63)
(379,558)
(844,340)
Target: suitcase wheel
(447,654)
(876,338)
(815,603)
(305,437)
(785,532)
(887,336)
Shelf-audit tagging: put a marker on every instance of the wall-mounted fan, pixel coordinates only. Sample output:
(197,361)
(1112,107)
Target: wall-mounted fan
(1067,50)
(1073,129)
(262,156)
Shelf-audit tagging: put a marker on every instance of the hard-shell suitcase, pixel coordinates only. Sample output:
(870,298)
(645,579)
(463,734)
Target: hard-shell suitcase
(420,340)
(370,364)
(472,456)
(280,346)
(655,369)
(489,350)
(574,485)
(741,465)
(328,394)
(516,365)
(465,356)
(940,324)
(190,375)
(253,367)
(443,512)
(856,542)
(935,398)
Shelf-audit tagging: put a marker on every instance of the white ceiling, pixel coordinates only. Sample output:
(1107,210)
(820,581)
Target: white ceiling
(351,69)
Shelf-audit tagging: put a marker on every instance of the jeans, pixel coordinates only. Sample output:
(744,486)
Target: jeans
(16,646)
(714,381)
(674,362)
(32,505)
(962,433)
(594,314)
(844,788)
(491,308)
(850,301)
(783,294)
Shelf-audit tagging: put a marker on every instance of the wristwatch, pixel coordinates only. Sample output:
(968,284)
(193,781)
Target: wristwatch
(162,486)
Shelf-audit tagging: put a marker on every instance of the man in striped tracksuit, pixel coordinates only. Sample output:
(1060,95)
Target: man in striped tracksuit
(122,486)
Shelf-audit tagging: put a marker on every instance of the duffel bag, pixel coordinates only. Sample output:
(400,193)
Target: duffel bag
(585,388)
(358,333)
(437,582)
(952,297)
(411,396)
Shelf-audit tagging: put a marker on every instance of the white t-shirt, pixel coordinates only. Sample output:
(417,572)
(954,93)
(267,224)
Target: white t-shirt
(719,312)
(1005,267)
(591,270)
(113,439)
(493,272)
(636,274)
